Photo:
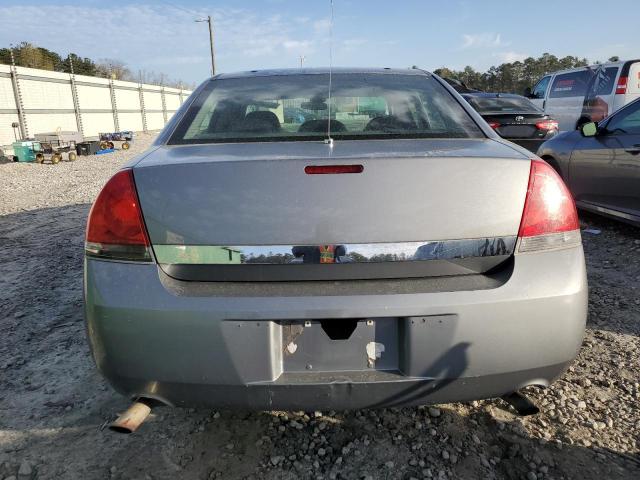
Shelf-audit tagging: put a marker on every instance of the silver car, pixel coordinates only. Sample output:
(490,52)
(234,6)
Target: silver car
(260,255)
(601,164)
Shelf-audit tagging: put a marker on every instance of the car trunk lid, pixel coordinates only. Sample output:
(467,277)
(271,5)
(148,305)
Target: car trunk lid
(213,204)
(515,125)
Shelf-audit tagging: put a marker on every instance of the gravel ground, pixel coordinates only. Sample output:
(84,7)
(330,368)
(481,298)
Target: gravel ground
(54,405)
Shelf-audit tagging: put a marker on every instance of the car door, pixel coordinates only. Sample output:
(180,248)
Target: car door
(539,93)
(605,169)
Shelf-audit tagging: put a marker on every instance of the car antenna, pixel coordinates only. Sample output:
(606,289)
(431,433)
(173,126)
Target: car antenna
(329,140)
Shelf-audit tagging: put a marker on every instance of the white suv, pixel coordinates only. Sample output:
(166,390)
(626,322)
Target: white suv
(587,94)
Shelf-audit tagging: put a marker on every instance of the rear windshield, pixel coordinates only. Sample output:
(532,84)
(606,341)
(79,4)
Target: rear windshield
(501,104)
(297,107)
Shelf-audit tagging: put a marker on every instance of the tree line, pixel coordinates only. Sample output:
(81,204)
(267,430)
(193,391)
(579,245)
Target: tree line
(514,77)
(32,56)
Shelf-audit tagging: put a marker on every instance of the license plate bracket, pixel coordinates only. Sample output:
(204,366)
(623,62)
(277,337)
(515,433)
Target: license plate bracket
(321,346)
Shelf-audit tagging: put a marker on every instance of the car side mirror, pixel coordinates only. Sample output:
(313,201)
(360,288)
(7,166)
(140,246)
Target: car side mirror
(589,129)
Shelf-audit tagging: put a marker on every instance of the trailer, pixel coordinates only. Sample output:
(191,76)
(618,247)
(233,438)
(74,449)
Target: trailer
(56,143)
(107,139)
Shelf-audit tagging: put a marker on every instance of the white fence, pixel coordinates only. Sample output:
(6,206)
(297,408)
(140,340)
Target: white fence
(43,101)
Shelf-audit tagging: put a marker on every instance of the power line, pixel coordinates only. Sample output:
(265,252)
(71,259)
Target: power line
(199,18)
(186,10)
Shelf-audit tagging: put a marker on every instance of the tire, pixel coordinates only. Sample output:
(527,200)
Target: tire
(39,157)
(104,145)
(55,158)
(72,156)
(110,145)
(126,146)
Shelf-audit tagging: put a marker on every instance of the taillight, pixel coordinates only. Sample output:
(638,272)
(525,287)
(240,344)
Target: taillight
(115,229)
(621,87)
(494,125)
(549,219)
(547,125)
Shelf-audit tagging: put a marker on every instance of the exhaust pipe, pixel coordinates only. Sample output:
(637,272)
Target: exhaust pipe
(132,418)
(521,403)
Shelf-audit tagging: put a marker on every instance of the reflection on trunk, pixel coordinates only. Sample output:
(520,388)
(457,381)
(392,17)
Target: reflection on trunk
(335,254)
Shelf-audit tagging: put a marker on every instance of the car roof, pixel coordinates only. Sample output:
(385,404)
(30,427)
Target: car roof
(619,63)
(321,71)
(492,95)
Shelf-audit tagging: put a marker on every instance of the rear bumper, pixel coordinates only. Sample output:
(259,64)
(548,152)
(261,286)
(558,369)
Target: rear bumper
(182,344)
(342,391)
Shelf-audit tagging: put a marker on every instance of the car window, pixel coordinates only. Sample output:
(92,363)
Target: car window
(501,104)
(626,122)
(297,107)
(541,88)
(573,84)
(604,79)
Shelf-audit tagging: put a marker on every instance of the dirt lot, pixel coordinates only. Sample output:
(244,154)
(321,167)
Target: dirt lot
(54,405)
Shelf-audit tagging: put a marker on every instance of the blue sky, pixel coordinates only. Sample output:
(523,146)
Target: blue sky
(162,36)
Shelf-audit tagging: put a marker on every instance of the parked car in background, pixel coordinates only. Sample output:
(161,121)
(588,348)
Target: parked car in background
(601,164)
(586,94)
(459,86)
(410,257)
(514,117)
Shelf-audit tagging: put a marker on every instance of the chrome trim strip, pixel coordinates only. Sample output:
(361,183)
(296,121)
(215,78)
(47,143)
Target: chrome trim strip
(334,254)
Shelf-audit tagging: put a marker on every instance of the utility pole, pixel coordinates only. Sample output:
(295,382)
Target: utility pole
(213,58)
(302,59)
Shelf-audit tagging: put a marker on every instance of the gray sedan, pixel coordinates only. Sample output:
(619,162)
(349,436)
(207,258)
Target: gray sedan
(385,249)
(601,164)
